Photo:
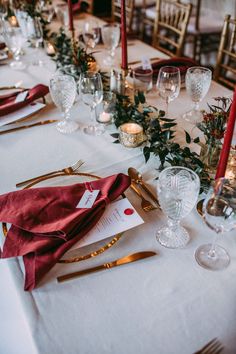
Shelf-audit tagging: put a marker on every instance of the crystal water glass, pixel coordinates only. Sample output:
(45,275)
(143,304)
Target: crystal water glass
(111,38)
(168,84)
(14,40)
(63,90)
(197,81)
(91,34)
(178,189)
(91,92)
(219,212)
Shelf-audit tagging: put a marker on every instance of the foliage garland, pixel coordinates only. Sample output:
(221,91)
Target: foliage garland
(160,135)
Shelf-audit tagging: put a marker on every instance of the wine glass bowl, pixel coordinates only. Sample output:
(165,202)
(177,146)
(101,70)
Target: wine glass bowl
(197,81)
(178,189)
(14,40)
(111,38)
(91,34)
(91,92)
(168,84)
(219,213)
(63,91)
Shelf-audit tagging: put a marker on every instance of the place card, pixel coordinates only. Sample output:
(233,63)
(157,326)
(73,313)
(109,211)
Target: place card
(21,97)
(118,217)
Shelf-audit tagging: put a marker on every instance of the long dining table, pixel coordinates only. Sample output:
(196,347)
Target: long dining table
(167,304)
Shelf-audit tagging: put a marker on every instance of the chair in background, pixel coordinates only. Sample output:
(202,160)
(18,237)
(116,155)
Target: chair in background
(204,29)
(170,26)
(225,71)
(116,13)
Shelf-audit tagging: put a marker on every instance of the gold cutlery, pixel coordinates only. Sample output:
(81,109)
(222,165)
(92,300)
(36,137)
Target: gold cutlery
(136,177)
(145,204)
(44,122)
(124,260)
(213,347)
(12,87)
(68,170)
(140,61)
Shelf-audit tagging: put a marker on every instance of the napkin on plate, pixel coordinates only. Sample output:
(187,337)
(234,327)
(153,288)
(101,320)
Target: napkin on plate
(180,62)
(7,102)
(46,221)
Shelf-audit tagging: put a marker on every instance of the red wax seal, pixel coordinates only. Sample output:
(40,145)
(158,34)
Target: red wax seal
(128,211)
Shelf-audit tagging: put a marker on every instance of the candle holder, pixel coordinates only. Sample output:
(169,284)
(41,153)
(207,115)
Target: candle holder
(131,134)
(106,110)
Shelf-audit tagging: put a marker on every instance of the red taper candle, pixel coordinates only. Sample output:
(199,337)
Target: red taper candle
(124,61)
(221,168)
(70,12)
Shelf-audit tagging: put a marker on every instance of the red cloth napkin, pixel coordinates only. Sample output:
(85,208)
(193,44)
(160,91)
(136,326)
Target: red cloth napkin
(8,105)
(2,45)
(180,62)
(46,223)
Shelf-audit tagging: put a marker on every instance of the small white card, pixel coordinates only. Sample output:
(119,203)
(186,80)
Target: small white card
(21,96)
(88,199)
(21,113)
(146,64)
(119,216)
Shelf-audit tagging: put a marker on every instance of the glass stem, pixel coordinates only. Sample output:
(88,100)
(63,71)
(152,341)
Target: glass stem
(167,106)
(66,115)
(92,111)
(173,224)
(212,253)
(196,106)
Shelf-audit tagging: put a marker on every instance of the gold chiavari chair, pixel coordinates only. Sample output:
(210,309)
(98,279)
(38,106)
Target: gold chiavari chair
(225,71)
(116,13)
(170,26)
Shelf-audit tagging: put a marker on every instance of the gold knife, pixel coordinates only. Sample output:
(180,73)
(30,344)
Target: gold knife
(44,122)
(140,61)
(124,260)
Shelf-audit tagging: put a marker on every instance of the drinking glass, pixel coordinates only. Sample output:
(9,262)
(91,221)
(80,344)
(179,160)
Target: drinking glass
(111,38)
(197,81)
(63,92)
(91,91)
(178,189)
(142,79)
(36,38)
(14,40)
(219,212)
(168,84)
(3,9)
(91,34)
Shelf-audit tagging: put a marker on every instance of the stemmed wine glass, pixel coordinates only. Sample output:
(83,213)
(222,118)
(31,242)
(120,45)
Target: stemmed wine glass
(168,84)
(111,38)
(219,212)
(91,34)
(63,92)
(36,38)
(91,91)
(178,189)
(197,81)
(14,40)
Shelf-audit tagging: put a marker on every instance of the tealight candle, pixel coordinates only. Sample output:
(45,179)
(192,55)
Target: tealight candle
(13,21)
(104,117)
(50,49)
(131,134)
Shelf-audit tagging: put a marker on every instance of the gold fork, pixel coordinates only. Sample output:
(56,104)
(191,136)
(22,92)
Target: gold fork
(68,170)
(213,347)
(145,204)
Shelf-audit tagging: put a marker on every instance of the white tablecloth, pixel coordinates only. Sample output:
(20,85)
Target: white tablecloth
(166,304)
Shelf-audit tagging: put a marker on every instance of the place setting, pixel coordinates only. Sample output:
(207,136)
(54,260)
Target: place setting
(129,168)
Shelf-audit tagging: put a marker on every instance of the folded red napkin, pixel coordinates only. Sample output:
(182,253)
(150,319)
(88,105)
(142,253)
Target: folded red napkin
(8,105)
(2,45)
(46,222)
(180,62)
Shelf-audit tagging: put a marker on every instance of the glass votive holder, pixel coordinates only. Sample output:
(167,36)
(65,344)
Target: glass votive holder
(106,110)
(142,79)
(131,134)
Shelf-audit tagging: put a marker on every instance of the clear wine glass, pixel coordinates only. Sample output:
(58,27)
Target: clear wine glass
(178,189)
(63,92)
(197,81)
(91,34)
(168,84)
(14,40)
(91,91)
(219,212)
(111,38)
(3,9)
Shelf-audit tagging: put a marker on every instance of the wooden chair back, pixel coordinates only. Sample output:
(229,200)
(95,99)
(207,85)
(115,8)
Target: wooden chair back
(170,26)
(225,71)
(116,12)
